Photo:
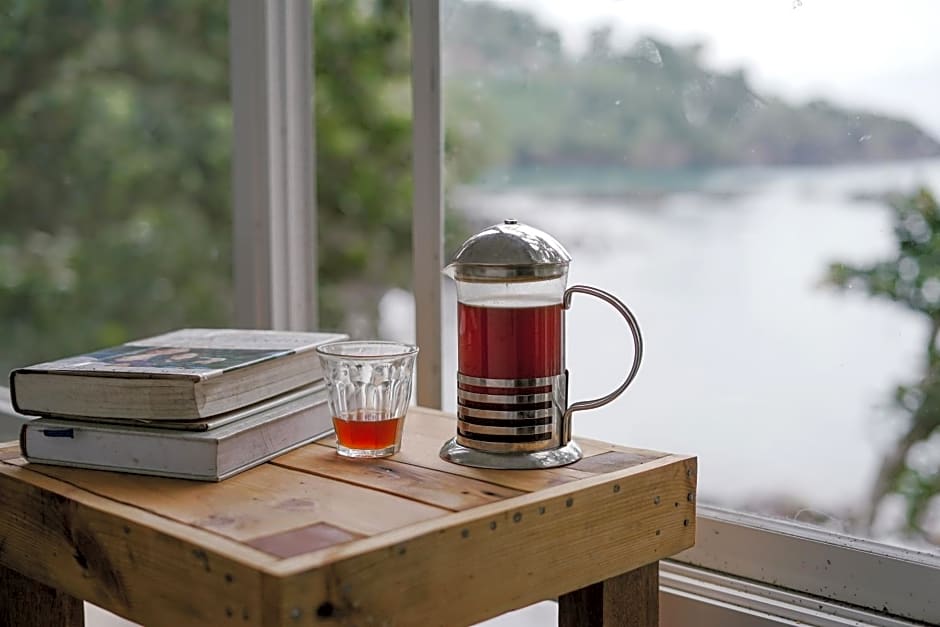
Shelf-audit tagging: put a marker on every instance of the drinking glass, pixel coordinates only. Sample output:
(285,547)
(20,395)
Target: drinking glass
(369,384)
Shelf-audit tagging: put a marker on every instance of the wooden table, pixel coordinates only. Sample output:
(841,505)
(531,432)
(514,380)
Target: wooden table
(313,539)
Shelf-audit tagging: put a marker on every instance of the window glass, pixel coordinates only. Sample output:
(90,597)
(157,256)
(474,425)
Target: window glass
(759,182)
(363,161)
(115,131)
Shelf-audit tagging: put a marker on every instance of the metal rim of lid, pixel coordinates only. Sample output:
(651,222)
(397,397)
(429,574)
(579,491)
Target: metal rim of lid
(485,273)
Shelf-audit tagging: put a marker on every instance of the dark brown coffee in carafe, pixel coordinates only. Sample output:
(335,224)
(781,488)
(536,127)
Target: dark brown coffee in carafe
(510,342)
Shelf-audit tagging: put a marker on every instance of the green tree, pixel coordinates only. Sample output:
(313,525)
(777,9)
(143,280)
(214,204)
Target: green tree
(363,155)
(650,106)
(114,161)
(910,277)
(115,167)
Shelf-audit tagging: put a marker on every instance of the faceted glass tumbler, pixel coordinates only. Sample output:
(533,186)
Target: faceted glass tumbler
(369,384)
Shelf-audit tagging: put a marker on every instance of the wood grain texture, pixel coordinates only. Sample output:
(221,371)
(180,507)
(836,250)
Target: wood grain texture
(10,450)
(627,600)
(427,430)
(304,540)
(310,539)
(407,480)
(262,502)
(483,562)
(443,426)
(609,461)
(28,603)
(125,560)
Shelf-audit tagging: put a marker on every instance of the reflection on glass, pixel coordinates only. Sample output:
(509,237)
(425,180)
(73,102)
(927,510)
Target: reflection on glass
(767,207)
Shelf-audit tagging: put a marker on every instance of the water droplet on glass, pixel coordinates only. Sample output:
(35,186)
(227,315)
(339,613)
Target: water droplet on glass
(908,269)
(650,51)
(931,290)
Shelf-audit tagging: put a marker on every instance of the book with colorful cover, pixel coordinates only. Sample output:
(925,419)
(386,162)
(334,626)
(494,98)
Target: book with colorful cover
(229,443)
(182,375)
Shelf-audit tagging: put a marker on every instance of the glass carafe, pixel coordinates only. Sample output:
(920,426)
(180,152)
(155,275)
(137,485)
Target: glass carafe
(512,384)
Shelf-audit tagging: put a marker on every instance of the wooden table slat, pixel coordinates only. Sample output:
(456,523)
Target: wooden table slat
(420,484)
(610,461)
(9,450)
(419,449)
(266,501)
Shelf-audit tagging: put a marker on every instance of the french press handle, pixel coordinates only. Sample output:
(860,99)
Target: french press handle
(637,346)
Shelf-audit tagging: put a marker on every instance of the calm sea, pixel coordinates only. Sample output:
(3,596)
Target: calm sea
(781,385)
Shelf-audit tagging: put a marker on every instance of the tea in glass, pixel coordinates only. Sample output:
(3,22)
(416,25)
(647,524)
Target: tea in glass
(369,384)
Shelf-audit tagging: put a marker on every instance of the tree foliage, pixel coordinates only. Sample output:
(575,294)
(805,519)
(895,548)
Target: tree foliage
(114,161)
(648,105)
(910,277)
(363,156)
(115,167)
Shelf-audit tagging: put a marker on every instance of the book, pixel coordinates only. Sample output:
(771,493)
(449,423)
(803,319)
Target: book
(230,444)
(200,424)
(182,375)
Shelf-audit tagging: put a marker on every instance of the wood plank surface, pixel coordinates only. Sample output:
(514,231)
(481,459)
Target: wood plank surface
(264,501)
(425,431)
(28,603)
(387,475)
(303,540)
(311,537)
(9,450)
(491,559)
(126,560)
(627,600)
(610,461)
(443,425)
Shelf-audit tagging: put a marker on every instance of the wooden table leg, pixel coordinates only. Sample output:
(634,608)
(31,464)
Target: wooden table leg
(628,600)
(28,603)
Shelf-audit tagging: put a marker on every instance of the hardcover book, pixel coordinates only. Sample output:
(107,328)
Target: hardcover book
(183,375)
(232,443)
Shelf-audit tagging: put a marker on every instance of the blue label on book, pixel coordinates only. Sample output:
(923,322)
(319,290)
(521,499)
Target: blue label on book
(59,433)
(183,358)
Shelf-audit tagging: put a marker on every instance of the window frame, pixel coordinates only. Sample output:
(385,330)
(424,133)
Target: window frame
(695,596)
(427,232)
(273,169)
(818,562)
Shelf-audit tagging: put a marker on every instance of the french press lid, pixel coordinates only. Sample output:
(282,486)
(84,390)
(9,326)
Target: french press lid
(509,252)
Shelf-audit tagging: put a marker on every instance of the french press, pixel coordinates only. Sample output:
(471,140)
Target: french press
(512,384)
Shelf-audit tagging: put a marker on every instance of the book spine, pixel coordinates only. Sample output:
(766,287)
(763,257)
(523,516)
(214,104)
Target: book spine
(23,440)
(16,406)
(111,449)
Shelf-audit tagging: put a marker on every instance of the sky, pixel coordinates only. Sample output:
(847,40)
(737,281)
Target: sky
(872,54)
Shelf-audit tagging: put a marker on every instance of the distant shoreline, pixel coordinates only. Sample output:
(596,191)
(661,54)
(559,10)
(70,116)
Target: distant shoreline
(651,185)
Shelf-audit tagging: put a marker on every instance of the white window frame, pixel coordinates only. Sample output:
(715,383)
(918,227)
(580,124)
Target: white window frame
(428,196)
(696,596)
(820,563)
(796,565)
(273,195)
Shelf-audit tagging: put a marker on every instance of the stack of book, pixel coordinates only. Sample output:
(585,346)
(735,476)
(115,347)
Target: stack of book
(195,403)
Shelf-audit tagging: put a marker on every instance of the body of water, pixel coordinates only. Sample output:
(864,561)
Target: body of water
(781,385)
